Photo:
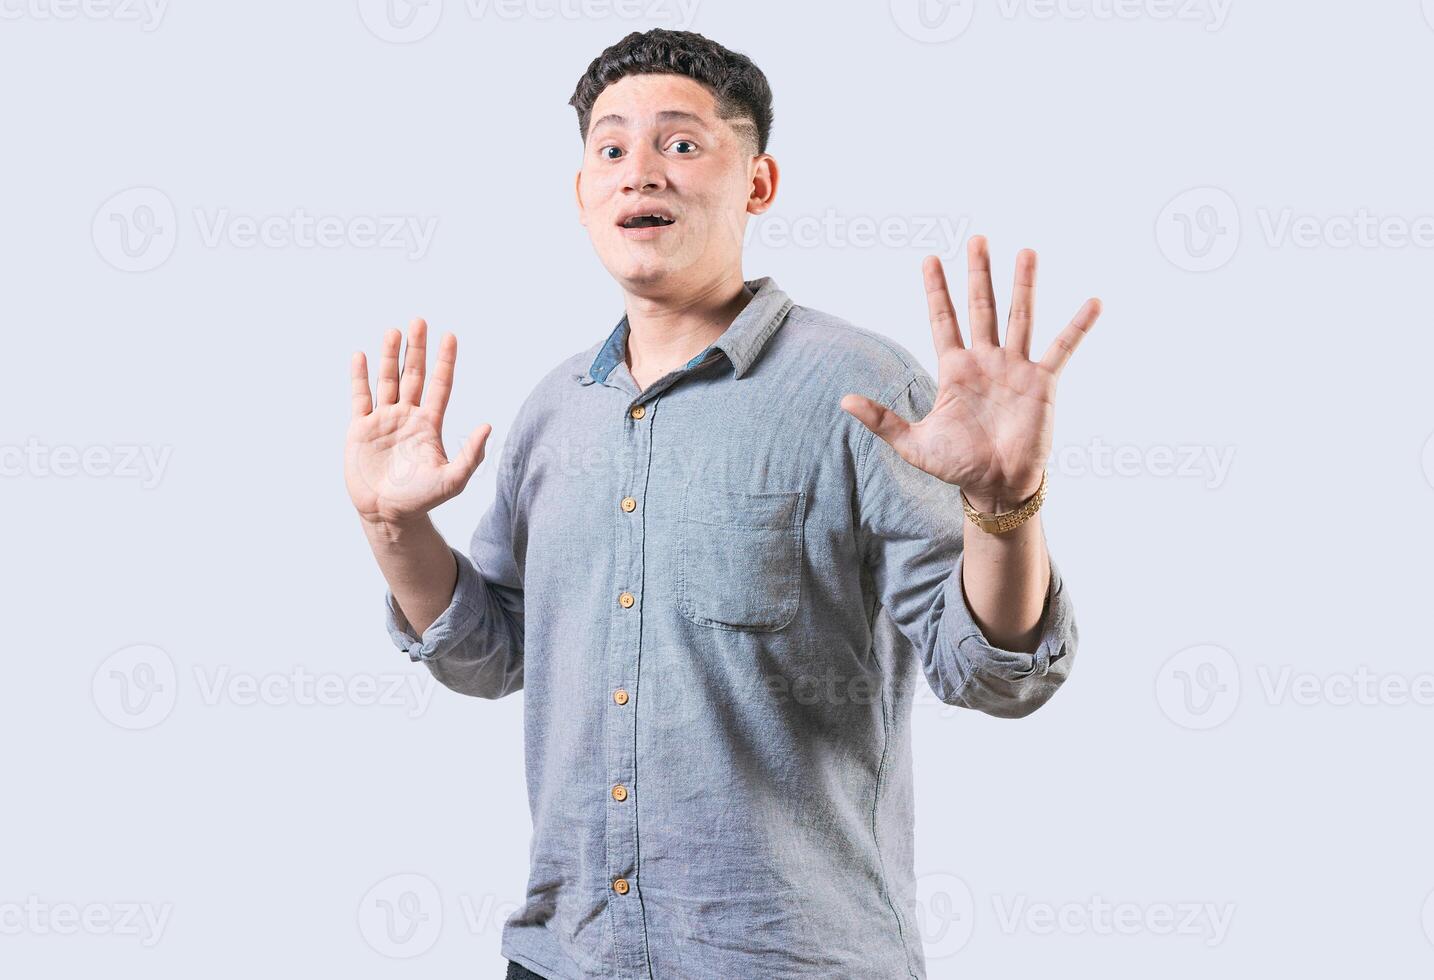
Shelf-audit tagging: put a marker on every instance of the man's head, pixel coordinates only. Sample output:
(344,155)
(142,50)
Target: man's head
(676,126)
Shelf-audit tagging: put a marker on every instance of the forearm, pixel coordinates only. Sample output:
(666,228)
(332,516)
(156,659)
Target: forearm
(1005,578)
(418,566)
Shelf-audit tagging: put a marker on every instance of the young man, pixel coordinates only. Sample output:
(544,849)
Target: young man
(722,553)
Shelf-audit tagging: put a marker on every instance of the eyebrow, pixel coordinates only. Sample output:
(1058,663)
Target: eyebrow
(666,115)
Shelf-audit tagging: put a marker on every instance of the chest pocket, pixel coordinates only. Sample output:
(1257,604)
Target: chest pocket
(740,557)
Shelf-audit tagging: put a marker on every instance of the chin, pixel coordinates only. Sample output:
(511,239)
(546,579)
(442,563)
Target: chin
(643,274)
(642,269)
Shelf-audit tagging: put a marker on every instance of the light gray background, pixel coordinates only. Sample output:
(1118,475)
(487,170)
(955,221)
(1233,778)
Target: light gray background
(1240,495)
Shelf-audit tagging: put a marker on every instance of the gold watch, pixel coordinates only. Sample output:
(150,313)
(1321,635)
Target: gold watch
(1012,519)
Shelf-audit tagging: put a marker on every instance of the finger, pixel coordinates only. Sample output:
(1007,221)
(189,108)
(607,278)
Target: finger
(440,385)
(980,297)
(415,360)
(945,330)
(388,368)
(877,417)
(1023,304)
(462,466)
(1066,342)
(361,397)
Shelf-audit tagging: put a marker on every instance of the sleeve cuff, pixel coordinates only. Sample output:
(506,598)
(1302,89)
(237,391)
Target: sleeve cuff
(1009,682)
(463,615)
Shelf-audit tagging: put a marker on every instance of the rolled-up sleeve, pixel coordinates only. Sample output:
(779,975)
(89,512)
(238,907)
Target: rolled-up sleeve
(912,530)
(475,646)
(1005,683)
(463,615)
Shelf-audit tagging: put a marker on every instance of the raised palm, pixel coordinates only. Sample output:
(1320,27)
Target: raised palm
(394,464)
(991,426)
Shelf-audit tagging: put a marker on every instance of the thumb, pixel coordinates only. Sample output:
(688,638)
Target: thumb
(463,465)
(876,417)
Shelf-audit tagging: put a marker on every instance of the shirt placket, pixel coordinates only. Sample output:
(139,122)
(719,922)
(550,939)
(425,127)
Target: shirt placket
(620,801)
(634,461)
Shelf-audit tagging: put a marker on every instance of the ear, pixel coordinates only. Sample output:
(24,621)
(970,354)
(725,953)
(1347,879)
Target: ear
(764,183)
(578,196)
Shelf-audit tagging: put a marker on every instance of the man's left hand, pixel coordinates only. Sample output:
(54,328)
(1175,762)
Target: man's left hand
(990,428)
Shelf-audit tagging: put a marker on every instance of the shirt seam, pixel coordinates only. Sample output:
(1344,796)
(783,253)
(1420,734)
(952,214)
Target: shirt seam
(863,455)
(887,399)
(876,834)
(904,356)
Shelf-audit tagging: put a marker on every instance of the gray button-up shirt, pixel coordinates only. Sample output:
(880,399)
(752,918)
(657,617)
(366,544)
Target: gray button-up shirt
(717,596)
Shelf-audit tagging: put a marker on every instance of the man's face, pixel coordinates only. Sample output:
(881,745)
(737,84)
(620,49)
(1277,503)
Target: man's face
(655,146)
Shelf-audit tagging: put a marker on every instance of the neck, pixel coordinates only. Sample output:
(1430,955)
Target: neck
(666,332)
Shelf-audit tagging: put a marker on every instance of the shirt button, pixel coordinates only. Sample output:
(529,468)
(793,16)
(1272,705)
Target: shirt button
(619,792)
(620,696)
(628,504)
(620,886)
(638,411)
(626,600)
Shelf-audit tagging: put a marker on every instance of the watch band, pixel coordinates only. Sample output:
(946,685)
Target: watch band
(1012,519)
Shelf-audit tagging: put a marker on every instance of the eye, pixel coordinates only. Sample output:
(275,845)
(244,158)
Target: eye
(606,156)
(691,146)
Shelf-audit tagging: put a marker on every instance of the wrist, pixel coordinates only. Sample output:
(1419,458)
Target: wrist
(394,530)
(999,500)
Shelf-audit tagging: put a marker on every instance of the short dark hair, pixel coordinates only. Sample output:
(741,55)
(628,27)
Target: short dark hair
(743,96)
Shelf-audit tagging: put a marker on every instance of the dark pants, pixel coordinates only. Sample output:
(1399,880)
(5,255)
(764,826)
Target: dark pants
(519,972)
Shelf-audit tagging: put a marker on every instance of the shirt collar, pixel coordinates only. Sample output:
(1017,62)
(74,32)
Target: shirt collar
(742,342)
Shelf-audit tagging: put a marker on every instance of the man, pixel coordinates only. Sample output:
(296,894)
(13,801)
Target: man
(724,541)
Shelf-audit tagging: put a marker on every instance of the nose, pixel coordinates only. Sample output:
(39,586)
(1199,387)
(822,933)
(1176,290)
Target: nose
(644,170)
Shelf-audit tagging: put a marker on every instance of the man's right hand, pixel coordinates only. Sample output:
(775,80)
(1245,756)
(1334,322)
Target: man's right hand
(394,463)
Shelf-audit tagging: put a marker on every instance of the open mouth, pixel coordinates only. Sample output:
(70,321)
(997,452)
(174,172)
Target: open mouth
(648,221)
